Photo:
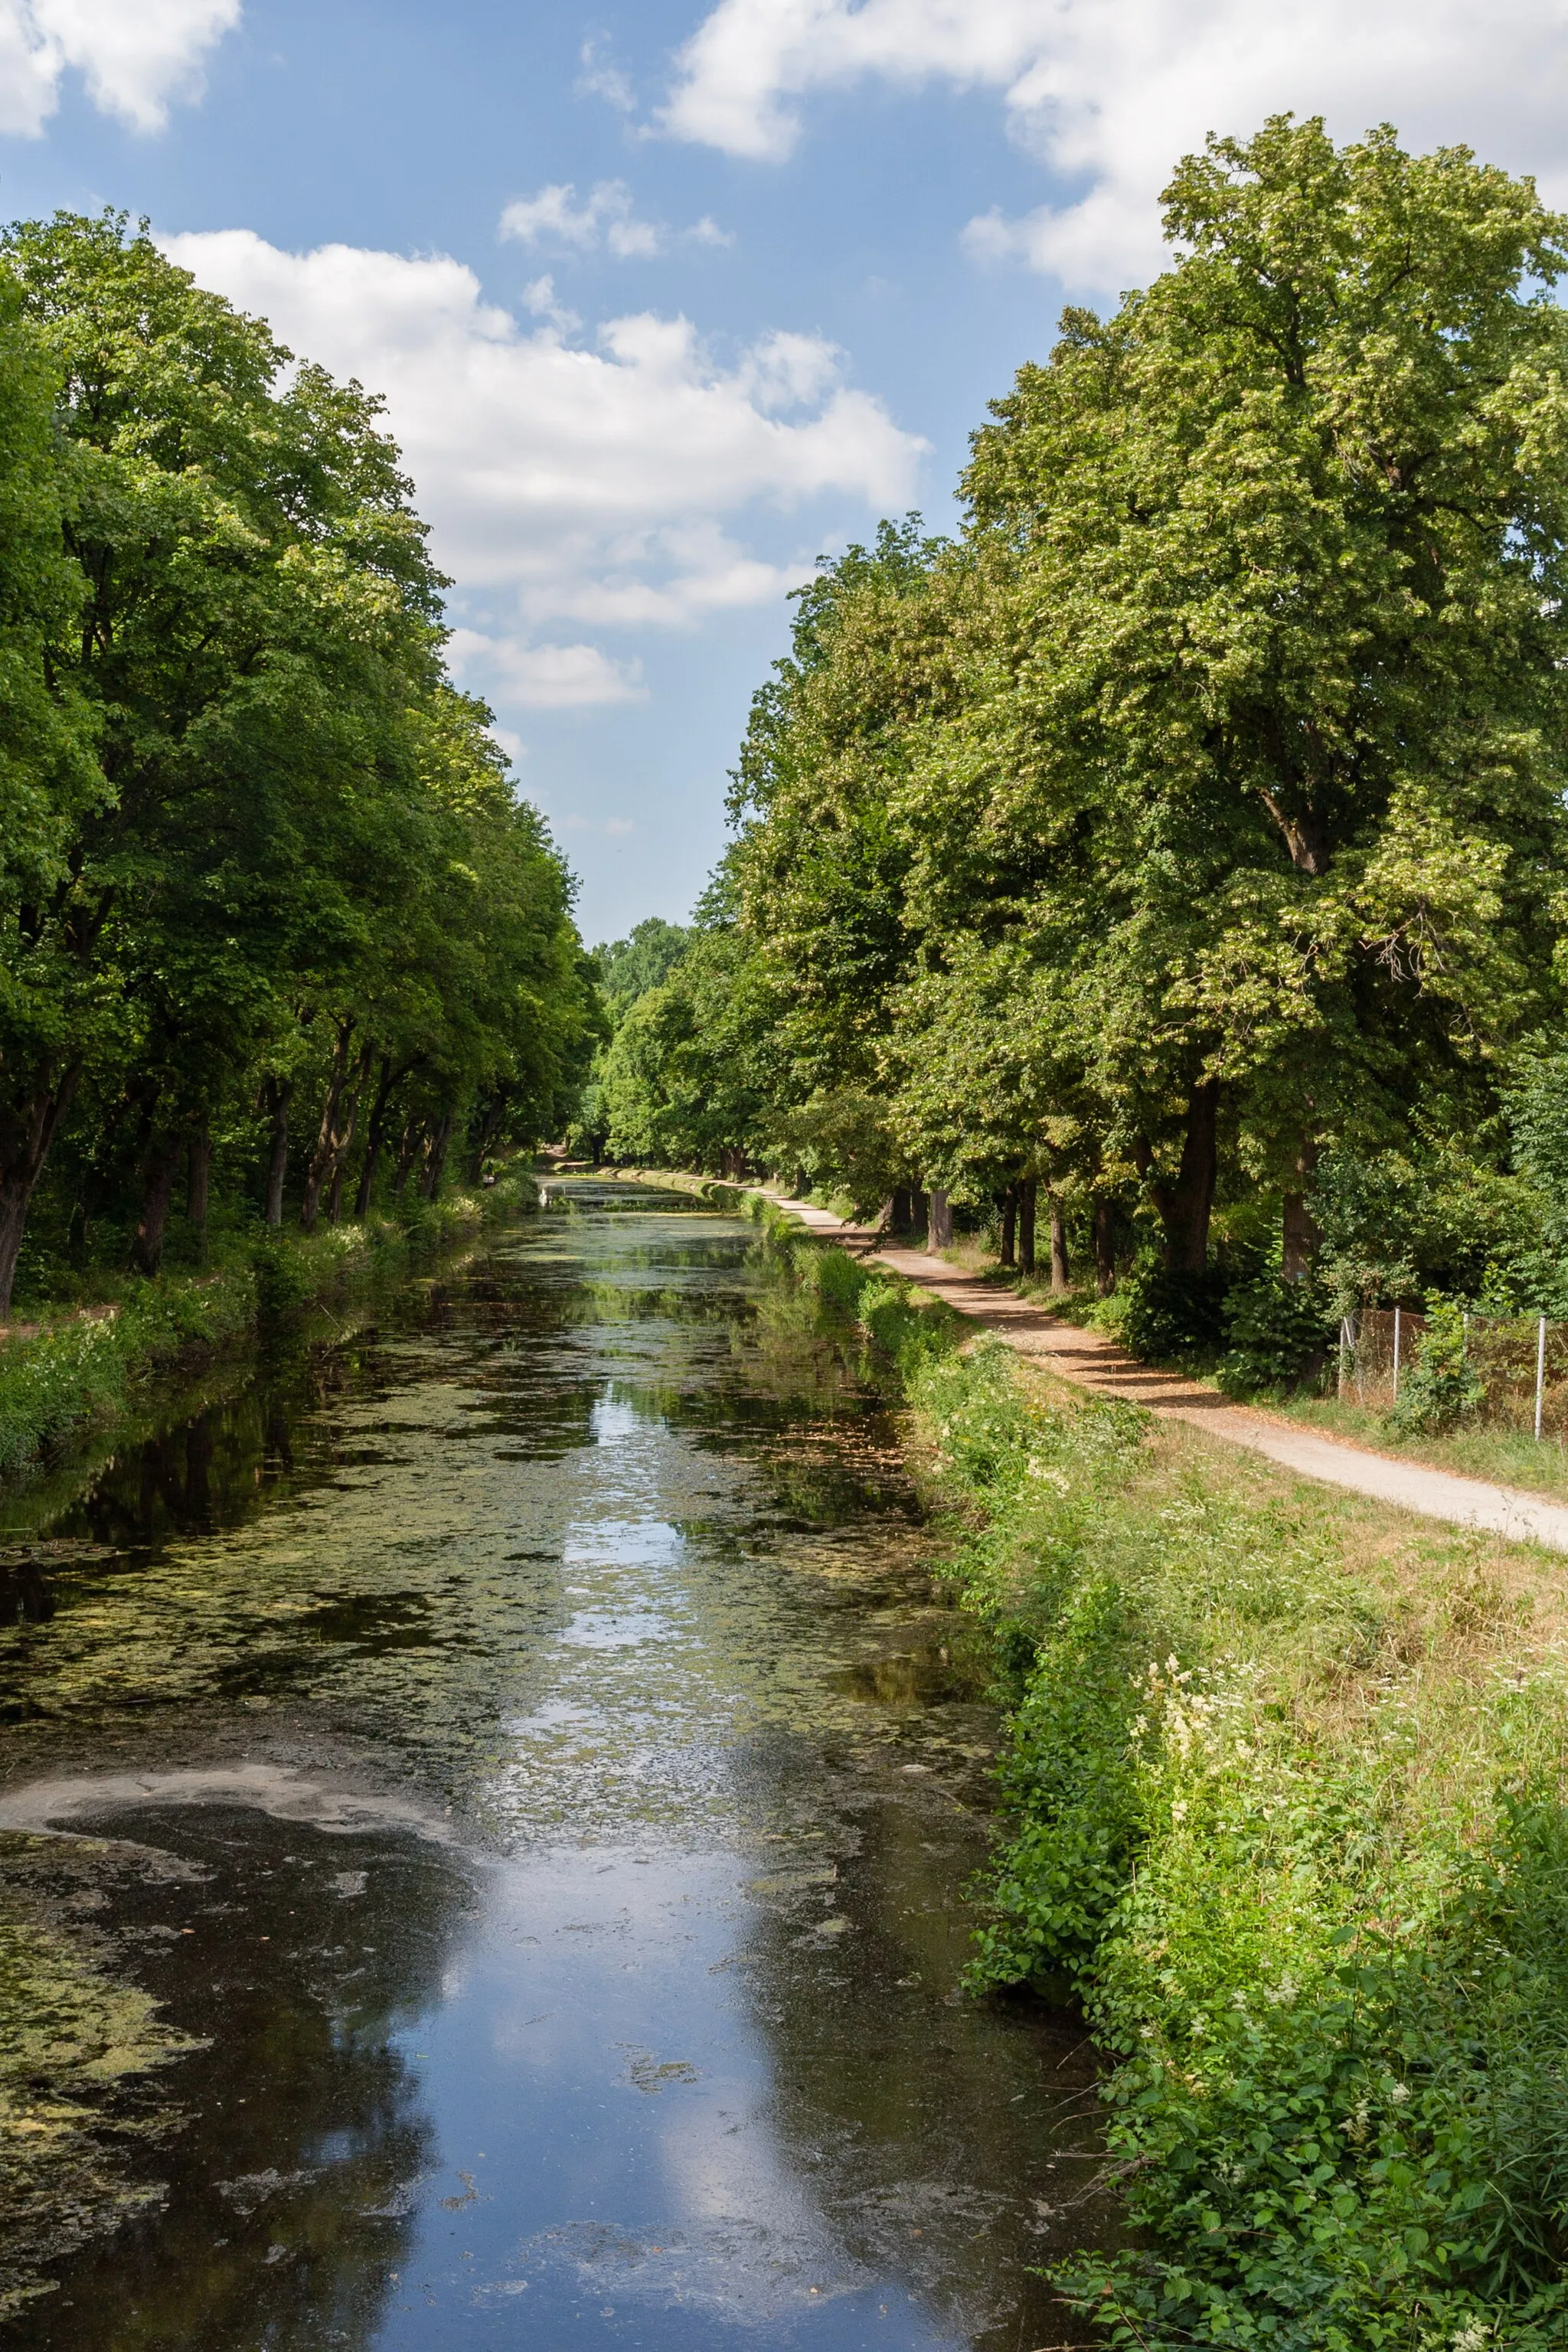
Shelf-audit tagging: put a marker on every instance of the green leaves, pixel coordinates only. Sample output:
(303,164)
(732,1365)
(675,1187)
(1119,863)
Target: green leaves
(245,813)
(1229,747)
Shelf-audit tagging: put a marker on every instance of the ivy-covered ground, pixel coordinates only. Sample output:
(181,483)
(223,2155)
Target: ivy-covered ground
(1283,1794)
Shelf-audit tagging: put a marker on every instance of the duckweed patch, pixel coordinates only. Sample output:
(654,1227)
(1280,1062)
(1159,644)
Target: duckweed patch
(75,2051)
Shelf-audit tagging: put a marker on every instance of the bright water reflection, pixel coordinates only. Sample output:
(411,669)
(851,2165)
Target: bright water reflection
(535,1761)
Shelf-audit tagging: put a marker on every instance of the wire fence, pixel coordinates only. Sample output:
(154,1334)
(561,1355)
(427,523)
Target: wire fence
(1521,1361)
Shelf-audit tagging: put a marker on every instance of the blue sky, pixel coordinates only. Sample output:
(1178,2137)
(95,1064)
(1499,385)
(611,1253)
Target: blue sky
(666,299)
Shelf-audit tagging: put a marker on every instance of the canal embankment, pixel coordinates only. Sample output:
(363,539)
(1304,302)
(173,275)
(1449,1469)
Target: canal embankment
(69,1375)
(1283,1779)
(1091,1359)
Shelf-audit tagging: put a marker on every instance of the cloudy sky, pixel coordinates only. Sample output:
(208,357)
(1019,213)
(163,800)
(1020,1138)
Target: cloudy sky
(666,298)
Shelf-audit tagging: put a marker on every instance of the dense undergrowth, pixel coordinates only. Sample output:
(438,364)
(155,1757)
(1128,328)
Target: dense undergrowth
(1283,1786)
(71,1375)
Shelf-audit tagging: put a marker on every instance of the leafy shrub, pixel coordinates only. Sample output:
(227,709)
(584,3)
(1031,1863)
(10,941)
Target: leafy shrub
(1442,1386)
(906,1329)
(280,1284)
(1276,1333)
(833,1274)
(1068,1775)
(79,1372)
(1168,1317)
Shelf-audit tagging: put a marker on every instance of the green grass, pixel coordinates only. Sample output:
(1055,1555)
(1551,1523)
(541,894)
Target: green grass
(80,1373)
(1283,1786)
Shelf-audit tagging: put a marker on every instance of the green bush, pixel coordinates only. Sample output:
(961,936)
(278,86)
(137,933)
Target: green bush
(833,1274)
(1170,1317)
(281,1279)
(1442,1386)
(79,1373)
(1330,1968)
(905,1327)
(1277,1332)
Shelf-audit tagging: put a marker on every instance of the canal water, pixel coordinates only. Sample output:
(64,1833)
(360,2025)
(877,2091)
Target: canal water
(523,1748)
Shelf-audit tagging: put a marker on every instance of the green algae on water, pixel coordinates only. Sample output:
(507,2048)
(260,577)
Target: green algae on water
(76,2048)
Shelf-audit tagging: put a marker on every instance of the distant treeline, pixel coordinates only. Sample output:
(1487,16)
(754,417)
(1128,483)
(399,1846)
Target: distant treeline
(275,931)
(1182,843)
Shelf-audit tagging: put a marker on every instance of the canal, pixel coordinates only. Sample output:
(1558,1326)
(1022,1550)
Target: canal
(522,1748)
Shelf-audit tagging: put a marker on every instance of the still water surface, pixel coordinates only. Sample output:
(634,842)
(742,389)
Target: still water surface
(538,1768)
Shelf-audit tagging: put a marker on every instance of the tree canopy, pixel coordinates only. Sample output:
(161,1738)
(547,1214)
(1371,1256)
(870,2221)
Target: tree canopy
(264,885)
(1196,814)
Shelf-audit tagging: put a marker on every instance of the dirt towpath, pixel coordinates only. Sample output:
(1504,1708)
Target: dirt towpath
(1096,1362)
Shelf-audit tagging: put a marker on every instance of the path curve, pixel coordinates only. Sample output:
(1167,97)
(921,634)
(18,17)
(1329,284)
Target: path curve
(1093,1361)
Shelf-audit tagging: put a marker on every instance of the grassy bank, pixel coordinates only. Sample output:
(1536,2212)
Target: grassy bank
(74,1374)
(1282,1792)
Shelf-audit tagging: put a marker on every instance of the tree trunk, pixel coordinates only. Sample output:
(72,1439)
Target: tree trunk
(24,1140)
(1186,1206)
(489,1127)
(159,1169)
(1104,1244)
(325,1158)
(407,1151)
(277,1095)
(343,1139)
(376,1133)
(901,1216)
(436,1157)
(198,1185)
(1059,1276)
(1300,1236)
(1028,1191)
(1008,1258)
(939,1226)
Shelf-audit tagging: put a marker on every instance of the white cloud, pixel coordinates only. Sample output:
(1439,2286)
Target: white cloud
(611,827)
(601,77)
(136,56)
(541,677)
(605,217)
(1108,93)
(540,300)
(570,486)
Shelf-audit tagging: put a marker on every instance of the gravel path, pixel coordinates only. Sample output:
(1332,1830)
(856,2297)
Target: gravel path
(1096,1362)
